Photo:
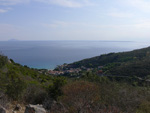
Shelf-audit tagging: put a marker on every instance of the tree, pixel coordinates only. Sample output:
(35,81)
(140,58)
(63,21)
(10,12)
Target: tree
(55,89)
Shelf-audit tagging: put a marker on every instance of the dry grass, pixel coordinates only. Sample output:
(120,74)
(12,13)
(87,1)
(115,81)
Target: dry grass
(12,105)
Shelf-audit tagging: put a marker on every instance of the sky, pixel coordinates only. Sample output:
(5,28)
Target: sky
(120,20)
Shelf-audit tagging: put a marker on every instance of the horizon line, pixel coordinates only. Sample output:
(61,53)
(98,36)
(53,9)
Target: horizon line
(16,40)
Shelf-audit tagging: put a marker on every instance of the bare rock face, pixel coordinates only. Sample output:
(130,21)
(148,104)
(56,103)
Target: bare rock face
(2,110)
(34,109)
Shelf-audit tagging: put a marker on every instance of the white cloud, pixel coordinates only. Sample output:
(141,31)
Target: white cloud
(63,3)
(139,29)
(143,24)
(143,5)
(55,24)
(120,15)
(12,2)
(65,24)
(3,10)
(68,3)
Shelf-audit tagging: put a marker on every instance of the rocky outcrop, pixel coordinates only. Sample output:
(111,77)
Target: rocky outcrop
(2,110)
(34,109)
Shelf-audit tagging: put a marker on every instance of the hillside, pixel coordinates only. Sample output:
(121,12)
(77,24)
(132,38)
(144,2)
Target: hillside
(9,69)
(16,80)
(133,63)
(87,93)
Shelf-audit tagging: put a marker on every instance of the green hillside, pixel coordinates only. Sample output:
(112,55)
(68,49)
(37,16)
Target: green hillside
(16,80)
(133,63)
(58,94)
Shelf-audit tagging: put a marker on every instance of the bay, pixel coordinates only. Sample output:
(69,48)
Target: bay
(49,54)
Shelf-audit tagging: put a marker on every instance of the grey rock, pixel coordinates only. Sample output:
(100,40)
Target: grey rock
(34,109)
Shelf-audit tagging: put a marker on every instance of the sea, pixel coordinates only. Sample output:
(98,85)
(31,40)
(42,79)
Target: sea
(49,54)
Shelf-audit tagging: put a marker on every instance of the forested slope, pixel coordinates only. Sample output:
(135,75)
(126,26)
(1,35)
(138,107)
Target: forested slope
(133,63)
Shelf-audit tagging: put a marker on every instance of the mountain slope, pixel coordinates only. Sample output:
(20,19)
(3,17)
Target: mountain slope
(15,77)
(133,63)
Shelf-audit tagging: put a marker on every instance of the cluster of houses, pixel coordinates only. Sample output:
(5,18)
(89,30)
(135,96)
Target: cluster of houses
(71,70)
(61,71)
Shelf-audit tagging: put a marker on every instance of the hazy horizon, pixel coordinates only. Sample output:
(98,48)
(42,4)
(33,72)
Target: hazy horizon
(71,40)
(16,40)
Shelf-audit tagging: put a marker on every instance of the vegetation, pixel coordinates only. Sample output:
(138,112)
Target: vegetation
(16,80)
(80,96)
(123,87)
(133,63)
(3,60)
(54,90)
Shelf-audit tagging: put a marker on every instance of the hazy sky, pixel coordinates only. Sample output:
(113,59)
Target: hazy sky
(127,20)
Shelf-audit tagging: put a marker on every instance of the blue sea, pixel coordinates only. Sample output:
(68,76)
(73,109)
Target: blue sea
(49,54)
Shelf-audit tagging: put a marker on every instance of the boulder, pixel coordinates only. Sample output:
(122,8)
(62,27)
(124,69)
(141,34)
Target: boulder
(34,109)
(2,110)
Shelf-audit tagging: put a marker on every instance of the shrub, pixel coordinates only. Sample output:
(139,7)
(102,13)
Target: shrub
(80,96)
(54,90)
(15,89)
(3,60)
(34,94)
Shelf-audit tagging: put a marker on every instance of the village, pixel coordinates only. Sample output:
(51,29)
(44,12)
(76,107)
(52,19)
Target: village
(60,70)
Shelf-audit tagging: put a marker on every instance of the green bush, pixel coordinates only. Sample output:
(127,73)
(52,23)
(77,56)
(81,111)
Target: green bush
(54,90)
(15,89)
(3,61)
